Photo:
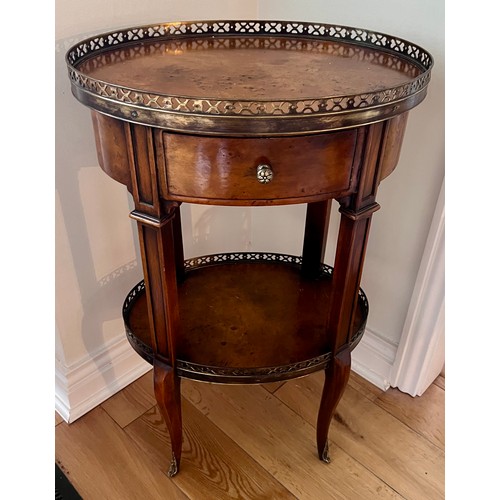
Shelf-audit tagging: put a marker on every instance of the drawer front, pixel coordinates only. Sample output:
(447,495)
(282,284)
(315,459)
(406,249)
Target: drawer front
(225,170)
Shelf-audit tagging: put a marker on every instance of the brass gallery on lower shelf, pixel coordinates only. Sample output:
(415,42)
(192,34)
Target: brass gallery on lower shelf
(226,374)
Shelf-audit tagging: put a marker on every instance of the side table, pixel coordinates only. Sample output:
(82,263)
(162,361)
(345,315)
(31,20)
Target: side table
(248,113)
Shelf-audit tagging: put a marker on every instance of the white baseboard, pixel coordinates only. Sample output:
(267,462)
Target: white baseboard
(420,357)
(373,359)
(86,384)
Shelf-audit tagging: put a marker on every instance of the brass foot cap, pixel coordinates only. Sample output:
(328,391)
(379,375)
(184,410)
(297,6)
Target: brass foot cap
(325,456)
(174,469)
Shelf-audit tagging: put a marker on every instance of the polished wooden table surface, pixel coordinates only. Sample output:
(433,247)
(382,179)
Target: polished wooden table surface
(248,113)
(248,67)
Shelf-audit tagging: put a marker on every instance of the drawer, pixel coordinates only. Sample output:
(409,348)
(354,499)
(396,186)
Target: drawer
(224,170)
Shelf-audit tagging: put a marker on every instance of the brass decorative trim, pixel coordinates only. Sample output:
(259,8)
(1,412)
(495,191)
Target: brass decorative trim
(221,258)
(186,369)
(325,455)
(174,467)
(265,174)
(159,109)
(151,220)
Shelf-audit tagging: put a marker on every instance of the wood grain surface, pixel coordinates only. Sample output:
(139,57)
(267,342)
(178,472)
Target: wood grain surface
(376,438)
(223,170)
(256,314)
(273,68)
(248,442)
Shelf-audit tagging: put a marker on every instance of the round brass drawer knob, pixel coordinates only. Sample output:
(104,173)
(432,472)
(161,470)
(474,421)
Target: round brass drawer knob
(264,174)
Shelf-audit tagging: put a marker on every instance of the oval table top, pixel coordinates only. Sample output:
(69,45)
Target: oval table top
(249,78)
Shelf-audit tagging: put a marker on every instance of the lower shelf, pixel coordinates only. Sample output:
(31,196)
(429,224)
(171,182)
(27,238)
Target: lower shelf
(246,318)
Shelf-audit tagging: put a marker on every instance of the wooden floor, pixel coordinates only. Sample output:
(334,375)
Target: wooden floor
(258,442)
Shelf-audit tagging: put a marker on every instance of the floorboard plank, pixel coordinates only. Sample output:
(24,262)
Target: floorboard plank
(283,443)
(439,381)
(362,385)
(132,401)
(212,465)
(424,414)
(393,452)
(272,387)
(102,462)
(259,442)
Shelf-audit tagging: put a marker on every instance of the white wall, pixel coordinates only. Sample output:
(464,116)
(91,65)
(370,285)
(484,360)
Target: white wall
(96,244)
(407,197)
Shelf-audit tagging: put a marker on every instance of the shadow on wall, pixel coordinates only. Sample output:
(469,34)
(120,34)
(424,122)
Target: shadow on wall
(91,239)
(207,230)
(96,234)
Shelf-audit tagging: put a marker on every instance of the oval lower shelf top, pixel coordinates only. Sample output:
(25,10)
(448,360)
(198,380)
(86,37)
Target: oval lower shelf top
(249,77)
(248,317)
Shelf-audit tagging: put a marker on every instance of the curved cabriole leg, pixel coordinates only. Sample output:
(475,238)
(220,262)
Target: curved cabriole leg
(168,396)
(336,377)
